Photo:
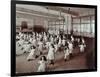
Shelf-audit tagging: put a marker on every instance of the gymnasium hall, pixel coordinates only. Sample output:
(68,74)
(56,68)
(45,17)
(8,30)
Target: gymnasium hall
(54,38)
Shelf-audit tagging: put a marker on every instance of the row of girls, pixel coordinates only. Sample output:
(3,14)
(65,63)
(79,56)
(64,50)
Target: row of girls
(35,43)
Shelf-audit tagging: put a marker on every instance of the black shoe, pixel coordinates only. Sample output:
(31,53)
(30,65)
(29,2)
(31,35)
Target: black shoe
(36,56)
(24,51)
(65,60)
(40,53)
(52,63)
(29,60)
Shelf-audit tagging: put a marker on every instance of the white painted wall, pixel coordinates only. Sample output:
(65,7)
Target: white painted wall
(39,21)
(30,22)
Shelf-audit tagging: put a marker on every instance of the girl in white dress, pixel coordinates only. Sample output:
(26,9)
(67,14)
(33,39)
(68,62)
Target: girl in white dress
(40,36)
(45,38)
(48,44)
(72,39)
(66,53)
(70,46)
(56,47)
(51,55)
(17,37)
(21,42)
(42,64)
(83,41)
(34,42)
(63,42)
(30,40)
(52,39)
(59,43)
(82,47)
(27,47)
(19,49)
(31,55)
(40,47)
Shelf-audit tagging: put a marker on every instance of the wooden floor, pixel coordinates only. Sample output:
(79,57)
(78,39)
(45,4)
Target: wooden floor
(78,61)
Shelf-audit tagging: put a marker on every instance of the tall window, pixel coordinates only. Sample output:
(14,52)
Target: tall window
(56,25)
(85,25)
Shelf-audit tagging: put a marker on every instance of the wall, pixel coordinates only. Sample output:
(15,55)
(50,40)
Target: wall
(31,20)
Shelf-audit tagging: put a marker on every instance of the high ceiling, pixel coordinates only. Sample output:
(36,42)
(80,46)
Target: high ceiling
(56,10)
(82,11)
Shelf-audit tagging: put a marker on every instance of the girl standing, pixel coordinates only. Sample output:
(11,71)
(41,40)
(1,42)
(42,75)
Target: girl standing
(40,48)
(42,64)
(70,45)
(31,55)
(66,53)
(51,54)
(82,47)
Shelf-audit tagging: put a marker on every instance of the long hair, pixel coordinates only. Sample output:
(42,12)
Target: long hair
(52,45)
(44,58)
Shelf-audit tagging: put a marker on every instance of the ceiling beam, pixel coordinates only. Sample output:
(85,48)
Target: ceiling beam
(37,13)
(62,10)
(20,14)
(84,16)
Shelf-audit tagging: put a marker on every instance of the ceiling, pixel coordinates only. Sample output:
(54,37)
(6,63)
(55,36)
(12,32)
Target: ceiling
(82,11)
(43,9)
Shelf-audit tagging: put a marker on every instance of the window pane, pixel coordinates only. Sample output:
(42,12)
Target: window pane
(76,27)
(85,20)
(76,20)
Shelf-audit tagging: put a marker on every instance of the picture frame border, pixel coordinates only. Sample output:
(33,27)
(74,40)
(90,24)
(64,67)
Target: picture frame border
(13,37)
